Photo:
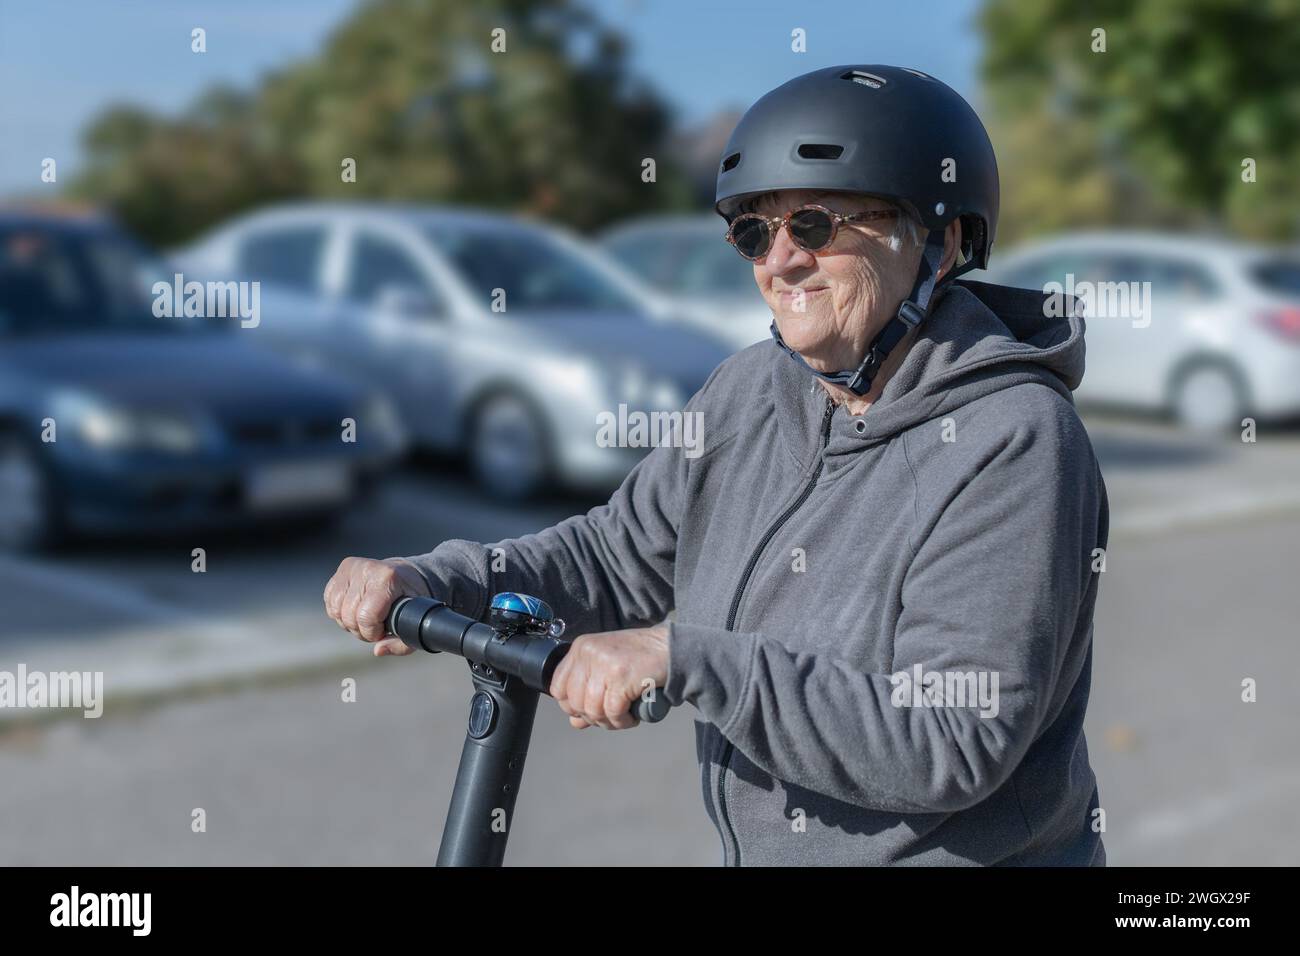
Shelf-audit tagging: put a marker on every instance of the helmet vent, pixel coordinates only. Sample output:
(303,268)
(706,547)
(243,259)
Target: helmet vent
(820,150)
(730,162)
(866,79)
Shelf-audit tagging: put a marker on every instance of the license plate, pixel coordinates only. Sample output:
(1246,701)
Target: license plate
(297,485)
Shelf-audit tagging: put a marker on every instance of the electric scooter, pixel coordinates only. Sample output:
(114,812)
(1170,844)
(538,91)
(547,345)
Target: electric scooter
(511,660)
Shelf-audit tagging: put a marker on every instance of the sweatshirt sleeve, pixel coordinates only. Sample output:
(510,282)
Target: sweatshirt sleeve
(996,587)
(608,569)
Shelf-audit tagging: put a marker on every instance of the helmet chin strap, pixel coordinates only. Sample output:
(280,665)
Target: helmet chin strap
(910,313)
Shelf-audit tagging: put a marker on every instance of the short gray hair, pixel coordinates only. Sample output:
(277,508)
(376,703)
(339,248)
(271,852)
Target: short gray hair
(908,229)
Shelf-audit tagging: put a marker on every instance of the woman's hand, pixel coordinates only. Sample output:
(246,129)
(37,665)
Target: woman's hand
(360,593)
(604,673)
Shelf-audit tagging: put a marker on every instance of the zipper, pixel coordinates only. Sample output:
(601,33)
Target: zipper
(740,592)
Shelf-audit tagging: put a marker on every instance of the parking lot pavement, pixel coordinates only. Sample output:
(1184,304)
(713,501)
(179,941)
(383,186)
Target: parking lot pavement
(286,772)
(1161,479)
(291,774)
(1189,772)
(1198,595)
(138,612)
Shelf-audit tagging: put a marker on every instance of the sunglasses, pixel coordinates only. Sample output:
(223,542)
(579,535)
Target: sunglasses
(812,228)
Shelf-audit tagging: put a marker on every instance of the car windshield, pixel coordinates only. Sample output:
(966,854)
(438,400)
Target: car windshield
(535,271)
(1281,276)
(58,280)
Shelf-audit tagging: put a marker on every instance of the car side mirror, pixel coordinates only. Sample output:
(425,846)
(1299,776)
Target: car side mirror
(407,300)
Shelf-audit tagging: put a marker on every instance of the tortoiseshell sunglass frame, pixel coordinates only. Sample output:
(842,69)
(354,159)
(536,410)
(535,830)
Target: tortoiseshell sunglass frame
(774,224)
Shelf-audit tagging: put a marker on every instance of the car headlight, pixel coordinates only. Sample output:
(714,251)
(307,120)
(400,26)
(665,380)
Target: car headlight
(647,392)
(630,385)
(665,395)
(111,428)
(572,376)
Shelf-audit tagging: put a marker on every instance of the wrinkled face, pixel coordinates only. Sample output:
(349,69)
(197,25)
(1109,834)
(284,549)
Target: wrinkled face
(850,290)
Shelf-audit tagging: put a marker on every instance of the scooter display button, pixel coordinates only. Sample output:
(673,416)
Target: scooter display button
(482,715)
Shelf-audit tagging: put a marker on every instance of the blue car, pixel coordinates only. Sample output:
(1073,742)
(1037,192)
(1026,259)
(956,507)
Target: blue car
(117,416)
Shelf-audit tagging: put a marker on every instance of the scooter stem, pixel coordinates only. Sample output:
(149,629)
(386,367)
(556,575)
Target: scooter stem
(510,668)
(491,770)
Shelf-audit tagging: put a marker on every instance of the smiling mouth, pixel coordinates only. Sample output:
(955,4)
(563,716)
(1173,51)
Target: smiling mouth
(787,296)
(791,292)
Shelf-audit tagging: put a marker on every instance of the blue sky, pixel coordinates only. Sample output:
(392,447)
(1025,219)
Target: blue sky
(62,61)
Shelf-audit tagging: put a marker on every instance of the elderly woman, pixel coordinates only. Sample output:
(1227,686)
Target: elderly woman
(884,563)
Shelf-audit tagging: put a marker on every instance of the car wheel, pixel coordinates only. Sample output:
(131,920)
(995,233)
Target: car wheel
(509,448)
(1208,398)
(27,507)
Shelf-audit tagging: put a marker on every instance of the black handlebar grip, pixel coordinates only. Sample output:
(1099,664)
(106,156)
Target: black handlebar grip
(427,624)
(653,710)
(430,625)
(404,626)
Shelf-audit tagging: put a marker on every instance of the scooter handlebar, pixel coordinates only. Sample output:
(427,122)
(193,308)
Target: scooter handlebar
(430,625)
(653,710)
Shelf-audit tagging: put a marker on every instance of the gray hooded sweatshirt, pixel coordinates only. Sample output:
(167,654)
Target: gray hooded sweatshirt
(840,580)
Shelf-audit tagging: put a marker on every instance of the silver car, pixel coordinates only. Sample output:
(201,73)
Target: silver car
(694,273)
(1206,329)
(497,337)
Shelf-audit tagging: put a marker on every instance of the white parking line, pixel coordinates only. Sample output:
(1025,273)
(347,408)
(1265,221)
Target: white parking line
(108,593)
(1177,823)
(1218,506)
(105,593)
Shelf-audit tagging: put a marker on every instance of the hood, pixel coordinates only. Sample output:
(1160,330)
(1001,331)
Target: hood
(978,339)
(214,372)
(670,350)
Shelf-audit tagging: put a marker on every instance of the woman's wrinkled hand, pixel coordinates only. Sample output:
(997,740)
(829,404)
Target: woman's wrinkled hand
(360,594)
(603,673)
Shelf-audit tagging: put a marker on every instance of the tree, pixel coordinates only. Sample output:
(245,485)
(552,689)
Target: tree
(413,92)
(1155,128)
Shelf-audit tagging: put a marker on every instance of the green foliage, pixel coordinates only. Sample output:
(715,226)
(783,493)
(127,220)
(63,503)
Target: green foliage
(1153,130)
(413,92)
(168,177)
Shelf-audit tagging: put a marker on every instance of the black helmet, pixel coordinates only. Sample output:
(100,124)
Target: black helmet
(887,131)
(884,130)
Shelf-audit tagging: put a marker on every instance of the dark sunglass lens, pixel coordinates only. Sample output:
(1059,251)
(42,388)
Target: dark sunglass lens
(811,228)
(750,236)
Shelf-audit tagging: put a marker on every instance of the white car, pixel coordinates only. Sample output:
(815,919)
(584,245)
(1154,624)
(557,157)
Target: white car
(687,264)
(497,337)
(1206,329)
